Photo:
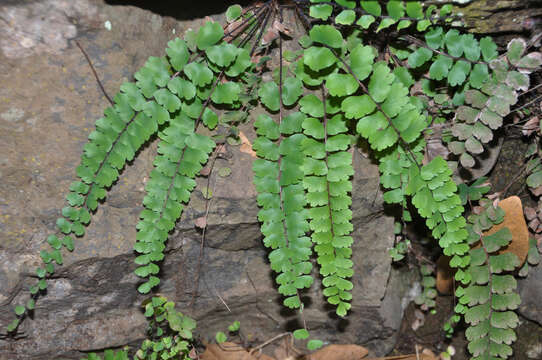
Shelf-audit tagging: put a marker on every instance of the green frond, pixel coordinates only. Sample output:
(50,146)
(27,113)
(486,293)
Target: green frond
(327,182)
(491,297)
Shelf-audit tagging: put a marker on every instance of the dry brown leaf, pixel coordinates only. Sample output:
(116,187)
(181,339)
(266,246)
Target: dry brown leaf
(426,354)
(515,222)
(419,319)
(235,28)
(281,28)
(230,351)
(445,275)
(270,35)
(435,147)
(246,146)
(530,213)
(205,171)
(339,352)
(534,224)
(531,126)
(536,191)
(201,222)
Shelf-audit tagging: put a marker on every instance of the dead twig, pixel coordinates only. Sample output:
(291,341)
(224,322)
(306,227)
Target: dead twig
(94,72)
(202,242)
(273,339)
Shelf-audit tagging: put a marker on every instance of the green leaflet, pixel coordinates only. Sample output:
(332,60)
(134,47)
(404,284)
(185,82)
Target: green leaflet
(327,182)
(467,63)
(372,11)
(491,295)
(182,153)
(278,180)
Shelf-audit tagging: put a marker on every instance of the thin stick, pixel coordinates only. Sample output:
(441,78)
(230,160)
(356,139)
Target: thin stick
(202,242)
(527,104)
(94,72)
(275,338)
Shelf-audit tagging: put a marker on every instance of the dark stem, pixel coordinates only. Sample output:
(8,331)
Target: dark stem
(420,43)
(366,91)
(94,72)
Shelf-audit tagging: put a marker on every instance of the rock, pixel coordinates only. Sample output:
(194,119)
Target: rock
(500,16)
(47,109)
(530,291)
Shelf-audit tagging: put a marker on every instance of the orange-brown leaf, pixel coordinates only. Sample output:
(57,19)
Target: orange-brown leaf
(230,351)
(246,146)
(340,352)
(515,222)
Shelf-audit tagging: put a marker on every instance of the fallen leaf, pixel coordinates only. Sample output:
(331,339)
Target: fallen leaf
(425,354)
(235,28)
(269,36)
(536,191)
(339,352)
(246,146)
(419,320)
(205,171)
(445,276)
(515,222)
(530,213)
(230,351)
(281,28)
(534,224)
(531,126)
(434,147)
(201,222)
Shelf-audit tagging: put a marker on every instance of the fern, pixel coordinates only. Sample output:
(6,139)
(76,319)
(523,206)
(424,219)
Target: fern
(335,83)
(278,177)
(327,180)
(485,84)
(169,334)
(488,300)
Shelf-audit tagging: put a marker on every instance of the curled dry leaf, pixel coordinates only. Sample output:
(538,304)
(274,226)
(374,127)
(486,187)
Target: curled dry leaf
(534,224)
(424,354)
(273,32)
(280,27)
(418,321)
(246,146)
(230,351)
(201,222)
(531,126)
(435,148)
(270,35)
(530,213)
(235,28)
(536,191)
(205,171)
(515,222)
(339,352)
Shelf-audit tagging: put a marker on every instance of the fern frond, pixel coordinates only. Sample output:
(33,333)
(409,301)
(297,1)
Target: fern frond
(278,176)
(485,84)
(278,179)
(186,95)
(490,298)
(328,169)
(182,155)
(396,12)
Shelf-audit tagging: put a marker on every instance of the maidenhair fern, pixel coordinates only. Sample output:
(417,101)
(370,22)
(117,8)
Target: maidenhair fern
(328,184)
(324,97)
(489,300)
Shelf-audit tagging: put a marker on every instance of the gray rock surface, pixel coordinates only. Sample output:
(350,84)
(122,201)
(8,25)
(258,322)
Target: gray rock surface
(49,101)
(530,290)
